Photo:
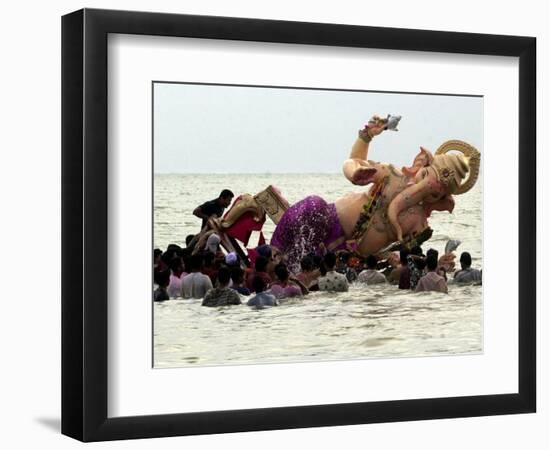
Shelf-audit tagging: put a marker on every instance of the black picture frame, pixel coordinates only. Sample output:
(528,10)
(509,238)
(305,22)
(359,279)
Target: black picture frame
(84,224)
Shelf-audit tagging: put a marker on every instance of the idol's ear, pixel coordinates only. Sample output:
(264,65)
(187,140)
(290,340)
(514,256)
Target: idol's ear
(428,154)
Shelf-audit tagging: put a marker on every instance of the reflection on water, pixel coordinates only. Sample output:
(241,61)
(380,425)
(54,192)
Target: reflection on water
(366,322)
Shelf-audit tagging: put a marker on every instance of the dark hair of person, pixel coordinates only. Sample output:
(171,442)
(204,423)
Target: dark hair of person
(261,264)
(258,284)
(157,252)
(433,251)
(323,268)
(224,274)
(282,272)
(237,275)
(226,193)
(186,257)
(188,239)
(403,257)
(420,264)
(466,259)
(330,260)
(306,264)
(417,250)
(167,256)
(371,262)
(264,250)
(196,262)
(173,248)
(344,257)
(317,261)
(431,262)
(208,258)
(176,264)
(162,278)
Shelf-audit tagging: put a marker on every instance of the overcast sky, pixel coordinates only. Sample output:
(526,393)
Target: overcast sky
(235,129)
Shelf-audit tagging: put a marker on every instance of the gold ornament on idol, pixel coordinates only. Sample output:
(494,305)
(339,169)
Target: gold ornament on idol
(452,168)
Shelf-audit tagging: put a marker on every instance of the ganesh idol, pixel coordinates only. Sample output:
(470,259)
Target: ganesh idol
(391,212)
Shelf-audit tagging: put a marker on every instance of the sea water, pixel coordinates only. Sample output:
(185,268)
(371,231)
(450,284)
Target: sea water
(365,322)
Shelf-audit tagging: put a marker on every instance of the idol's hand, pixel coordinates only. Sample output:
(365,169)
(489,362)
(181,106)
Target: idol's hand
(376,125)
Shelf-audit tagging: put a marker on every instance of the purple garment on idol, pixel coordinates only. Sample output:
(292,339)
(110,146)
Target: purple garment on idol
(303,227)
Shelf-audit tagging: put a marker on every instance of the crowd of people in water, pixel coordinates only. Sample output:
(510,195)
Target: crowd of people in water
(221,279)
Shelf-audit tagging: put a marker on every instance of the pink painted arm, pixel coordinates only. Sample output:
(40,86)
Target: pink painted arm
(360,172)
(357,168)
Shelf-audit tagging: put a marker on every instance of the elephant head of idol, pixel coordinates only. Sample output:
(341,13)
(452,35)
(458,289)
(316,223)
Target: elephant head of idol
(453,170)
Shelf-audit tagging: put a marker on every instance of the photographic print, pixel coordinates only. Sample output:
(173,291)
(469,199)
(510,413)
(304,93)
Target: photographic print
(315,212)
(295,224)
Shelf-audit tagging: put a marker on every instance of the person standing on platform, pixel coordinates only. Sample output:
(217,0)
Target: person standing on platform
(214,207)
